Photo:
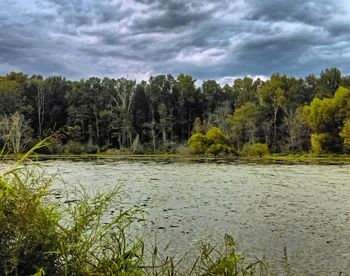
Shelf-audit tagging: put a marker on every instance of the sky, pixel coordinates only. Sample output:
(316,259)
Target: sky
(219,40)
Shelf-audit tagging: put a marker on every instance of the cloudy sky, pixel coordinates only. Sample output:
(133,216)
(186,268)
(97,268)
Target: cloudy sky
(207,39)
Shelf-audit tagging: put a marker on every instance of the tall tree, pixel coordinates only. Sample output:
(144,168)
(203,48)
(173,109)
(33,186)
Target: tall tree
(14,131)
(10,96)
(243,124)
(272,98)
(165,122)
(329,82)
(245,90)
(122,102)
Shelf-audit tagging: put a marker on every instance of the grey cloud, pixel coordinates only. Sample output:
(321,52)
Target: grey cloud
(208,39)
(312,12)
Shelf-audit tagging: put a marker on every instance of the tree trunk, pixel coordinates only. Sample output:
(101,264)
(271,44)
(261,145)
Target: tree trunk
(274,129)
(164,137)
(40,104)
(97,127)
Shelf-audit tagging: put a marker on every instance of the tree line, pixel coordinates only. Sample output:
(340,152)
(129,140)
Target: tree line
(284,114)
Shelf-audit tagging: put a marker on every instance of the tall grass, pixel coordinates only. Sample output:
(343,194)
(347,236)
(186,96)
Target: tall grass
(39,236)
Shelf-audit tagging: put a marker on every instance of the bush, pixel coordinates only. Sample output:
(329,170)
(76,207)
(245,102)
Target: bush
(215,136)
(219,148)
(325,143)
(345,135)
(91,148)
(37,236)
(54,145)
(212,142)
(170,147)
(256,149)
(74,147)
(183,150)
(198,143)
(28,229)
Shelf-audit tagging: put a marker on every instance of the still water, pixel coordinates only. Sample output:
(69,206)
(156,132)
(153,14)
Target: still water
(265,207)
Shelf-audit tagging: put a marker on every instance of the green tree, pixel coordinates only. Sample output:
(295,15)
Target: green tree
(345,134)
(165,122)
(325,142)
(326,117)
(245,90)
(328,83)
(213,95)
(10,96)
(243,124)
(187,108)
(122,102)
(272,98)
(141,112)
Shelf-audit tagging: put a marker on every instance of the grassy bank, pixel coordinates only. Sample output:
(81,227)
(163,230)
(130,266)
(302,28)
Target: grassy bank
(289,159)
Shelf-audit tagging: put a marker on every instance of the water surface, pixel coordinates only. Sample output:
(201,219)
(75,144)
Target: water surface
(265,207)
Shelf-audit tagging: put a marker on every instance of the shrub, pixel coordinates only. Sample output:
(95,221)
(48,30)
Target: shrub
(54,145)
(226,262)
(219,148)
(212,142)
(28,229)
(256,149)
(215,136)
(91,148)
(74,147)
(37,236)
(325,143)
(183,150)
(345,135)
(198,143)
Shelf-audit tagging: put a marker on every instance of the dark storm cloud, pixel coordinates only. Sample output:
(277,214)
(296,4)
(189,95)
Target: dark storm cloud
(207,39)
(311,12)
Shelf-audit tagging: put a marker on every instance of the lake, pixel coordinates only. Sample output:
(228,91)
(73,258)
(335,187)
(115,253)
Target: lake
(265,207)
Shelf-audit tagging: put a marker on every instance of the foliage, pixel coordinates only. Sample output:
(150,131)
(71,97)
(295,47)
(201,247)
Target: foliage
(345,134)
(28,227)
(165,110)
(213,142)
(243,124)
(198,143)
(90,242)
(325,117)
(245,91)
(219,148)
(74,147)
(256,149)
(215,136)
(226,262)
(198,126)
(14,132)
(325,142)
(91,148)
(272,98)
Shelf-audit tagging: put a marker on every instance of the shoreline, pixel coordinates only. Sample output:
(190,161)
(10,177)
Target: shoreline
(290,159)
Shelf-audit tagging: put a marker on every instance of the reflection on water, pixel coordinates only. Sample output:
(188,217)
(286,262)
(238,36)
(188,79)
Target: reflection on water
(265,207)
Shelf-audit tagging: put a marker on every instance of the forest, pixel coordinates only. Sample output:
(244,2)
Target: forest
(282,114)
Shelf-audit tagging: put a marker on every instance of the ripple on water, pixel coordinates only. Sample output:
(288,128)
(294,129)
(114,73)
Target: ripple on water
(305,208)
